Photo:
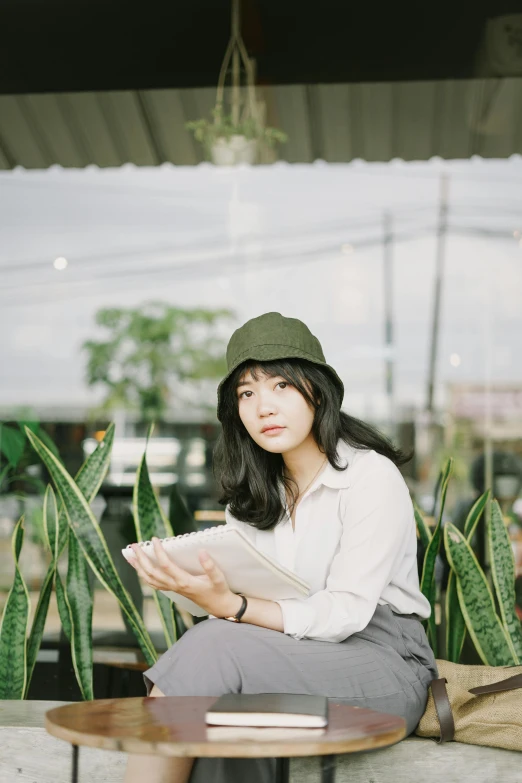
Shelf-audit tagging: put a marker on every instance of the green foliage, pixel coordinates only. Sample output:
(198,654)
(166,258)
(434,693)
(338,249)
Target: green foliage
(423,529)
(149,349)
(79,600)
(37,628)
(150,521)
(427,585)
(455,623)
(71,526)
(18,456)
(12,443)
(470,603)
(222,126)
(503,574)
(13,629)
(84,526)
(476,602)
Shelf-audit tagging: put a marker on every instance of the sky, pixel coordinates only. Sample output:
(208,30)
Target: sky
(303,240)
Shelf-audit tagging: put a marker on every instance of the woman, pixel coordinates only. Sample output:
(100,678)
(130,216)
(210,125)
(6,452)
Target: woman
(320,492)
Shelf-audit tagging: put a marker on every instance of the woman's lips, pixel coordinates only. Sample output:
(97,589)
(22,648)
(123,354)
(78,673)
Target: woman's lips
(273,431)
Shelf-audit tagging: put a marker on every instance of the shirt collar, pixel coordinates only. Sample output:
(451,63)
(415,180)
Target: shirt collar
(337,479)
(330,477)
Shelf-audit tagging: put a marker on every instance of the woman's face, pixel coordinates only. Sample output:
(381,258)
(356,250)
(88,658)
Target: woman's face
(275,414)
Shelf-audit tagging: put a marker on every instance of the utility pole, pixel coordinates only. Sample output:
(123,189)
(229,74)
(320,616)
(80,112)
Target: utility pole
(439,277)
(388,309)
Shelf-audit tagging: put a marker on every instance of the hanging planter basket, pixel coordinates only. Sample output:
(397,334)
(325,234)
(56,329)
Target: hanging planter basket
(234,151)
(236,137)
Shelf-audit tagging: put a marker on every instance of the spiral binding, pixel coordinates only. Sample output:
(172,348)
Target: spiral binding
(208,532)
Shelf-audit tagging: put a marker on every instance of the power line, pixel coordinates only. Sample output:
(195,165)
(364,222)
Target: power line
(339,225)
(232,264)
(215,266)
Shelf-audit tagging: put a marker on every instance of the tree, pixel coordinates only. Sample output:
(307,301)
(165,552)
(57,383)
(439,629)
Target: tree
(152,351)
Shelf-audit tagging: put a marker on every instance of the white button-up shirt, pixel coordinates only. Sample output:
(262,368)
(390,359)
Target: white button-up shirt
(354,543)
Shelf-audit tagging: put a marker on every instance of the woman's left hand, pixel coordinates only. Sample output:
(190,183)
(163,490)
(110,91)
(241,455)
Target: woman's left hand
(210,590)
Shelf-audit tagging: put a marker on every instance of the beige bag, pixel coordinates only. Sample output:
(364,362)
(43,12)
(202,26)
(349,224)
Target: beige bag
(479,705)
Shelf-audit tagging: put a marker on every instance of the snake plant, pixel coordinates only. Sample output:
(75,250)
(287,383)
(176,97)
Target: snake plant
(476,601)
(471,603)
(70,527)
(83,525)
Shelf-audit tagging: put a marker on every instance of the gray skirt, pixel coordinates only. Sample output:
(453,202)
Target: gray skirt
(386,667)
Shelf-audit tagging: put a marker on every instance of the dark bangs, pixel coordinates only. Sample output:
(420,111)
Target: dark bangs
(251,478)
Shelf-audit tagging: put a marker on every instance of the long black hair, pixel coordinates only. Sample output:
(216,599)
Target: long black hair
(251,477)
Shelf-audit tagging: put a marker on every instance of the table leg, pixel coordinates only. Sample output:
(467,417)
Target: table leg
(74,778)
(282,771)
(328,769)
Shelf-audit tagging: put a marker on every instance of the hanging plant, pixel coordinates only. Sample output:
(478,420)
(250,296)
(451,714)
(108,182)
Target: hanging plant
(235,137)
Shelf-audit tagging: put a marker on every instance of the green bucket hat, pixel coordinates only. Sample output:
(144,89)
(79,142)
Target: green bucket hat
(272,336)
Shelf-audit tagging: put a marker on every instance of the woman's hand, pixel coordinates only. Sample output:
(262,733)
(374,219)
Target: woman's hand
(210,590)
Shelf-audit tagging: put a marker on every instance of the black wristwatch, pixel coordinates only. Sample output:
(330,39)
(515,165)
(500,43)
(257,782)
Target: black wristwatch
(237,617)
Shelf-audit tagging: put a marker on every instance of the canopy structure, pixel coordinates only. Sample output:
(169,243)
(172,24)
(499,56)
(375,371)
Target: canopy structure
(105,83)
(332,122)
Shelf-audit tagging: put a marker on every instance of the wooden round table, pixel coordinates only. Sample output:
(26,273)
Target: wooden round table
(175,726)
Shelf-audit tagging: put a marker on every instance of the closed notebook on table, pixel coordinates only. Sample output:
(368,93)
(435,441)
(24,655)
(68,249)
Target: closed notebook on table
(269,709)
(246,569)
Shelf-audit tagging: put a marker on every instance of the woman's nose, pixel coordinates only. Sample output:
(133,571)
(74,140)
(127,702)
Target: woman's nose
(265,406)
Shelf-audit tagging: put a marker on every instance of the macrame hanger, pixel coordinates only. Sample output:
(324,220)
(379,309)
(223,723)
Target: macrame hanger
(237,53)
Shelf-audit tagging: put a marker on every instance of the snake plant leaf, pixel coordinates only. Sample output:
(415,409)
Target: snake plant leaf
(428,586)
(50,521)
(13,628)
(476,601)
(63,606)
(503,573)
(90,477)
(455,623)
(76,601)
(35,427)
(80,603)
(38,625)
(150,521)
(422,527)
(93,471)
(83,524)
(473,518)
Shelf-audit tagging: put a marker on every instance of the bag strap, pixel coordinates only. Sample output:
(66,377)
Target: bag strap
(443,708)
(510,684)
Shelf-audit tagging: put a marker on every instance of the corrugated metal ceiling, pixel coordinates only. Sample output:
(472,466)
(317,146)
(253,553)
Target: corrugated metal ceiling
(334,122)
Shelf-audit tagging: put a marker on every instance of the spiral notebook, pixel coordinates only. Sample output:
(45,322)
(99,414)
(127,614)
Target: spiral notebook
(247,570)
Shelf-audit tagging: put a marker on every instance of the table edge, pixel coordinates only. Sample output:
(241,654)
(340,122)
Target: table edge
(220,749)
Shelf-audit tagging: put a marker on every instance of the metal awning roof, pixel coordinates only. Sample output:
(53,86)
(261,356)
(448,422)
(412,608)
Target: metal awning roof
(332,122)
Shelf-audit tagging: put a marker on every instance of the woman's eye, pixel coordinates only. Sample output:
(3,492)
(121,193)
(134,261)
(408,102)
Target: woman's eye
(245,392)
(284,384)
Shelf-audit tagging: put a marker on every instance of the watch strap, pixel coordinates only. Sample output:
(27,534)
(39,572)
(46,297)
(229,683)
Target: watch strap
(237,617)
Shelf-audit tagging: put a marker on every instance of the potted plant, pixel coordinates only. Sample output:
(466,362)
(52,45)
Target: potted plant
(235,137)
(228,142)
